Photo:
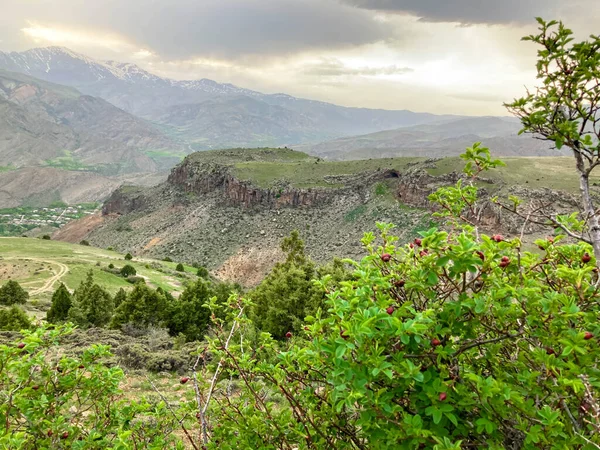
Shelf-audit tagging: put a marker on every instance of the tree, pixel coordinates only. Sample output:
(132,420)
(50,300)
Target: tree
(565,110)
(288,293)
(143,307)
(180,268)
(128,270)
(61,304)
(92,305)
(120,297)
(14,319)
(128,257)
(202,272)
(12,293)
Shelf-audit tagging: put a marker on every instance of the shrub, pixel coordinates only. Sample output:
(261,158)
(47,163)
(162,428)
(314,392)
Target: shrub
(167,259)
(180,268)
(135,279)
(111,266)
(54,401)
(128,270)
(84,242)
(120,297)
(143,307)
(202,272)
(14,319)
(11,293)
(110,249)
(46,237)
(128,257)
(92,306)
(458,340)
(61,304)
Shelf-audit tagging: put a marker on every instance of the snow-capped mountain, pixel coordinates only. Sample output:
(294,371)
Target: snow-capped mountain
(218,105)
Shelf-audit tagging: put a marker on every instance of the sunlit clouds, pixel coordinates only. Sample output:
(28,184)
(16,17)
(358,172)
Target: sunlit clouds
(464,58)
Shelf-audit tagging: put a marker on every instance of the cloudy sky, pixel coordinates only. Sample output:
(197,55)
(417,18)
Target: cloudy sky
(445,56)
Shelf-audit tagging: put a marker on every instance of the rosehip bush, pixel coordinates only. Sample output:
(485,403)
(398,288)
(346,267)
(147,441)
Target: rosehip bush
(462,341)
(52,401)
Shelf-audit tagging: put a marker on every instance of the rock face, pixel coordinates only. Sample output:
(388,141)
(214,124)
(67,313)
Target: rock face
(194,179)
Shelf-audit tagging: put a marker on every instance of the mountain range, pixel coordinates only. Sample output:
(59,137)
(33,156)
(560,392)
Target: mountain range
(71,113)
(203,113)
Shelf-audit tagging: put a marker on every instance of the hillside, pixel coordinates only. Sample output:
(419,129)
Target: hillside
(39,265)
(205,113)
(228,210)
(44,124)
(436,139)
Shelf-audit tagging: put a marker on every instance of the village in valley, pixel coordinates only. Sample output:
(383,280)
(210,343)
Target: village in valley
(19,220)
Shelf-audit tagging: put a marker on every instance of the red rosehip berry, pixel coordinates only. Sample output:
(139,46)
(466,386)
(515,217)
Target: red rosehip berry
(49,433)
(588,336)
(343,334)
(386,257)
(480,254)
(423,253)
(81,366)
(435,342)
(288,334)
(390,310)
(504,262)
(184,380)
(550,351)
(65,435)
(586,258)
(399,283)
(443,396)
(21,345)
(418,242)
(498,238)
(411,245)
(35,388)
(551,240)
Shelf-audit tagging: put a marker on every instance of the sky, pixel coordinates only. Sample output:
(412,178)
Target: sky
(441,56)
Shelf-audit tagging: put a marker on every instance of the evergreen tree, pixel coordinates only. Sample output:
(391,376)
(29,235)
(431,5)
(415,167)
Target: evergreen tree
(120,297)
(180,268)
(188,315)
(92,305)
(14,319)
(288,294)
(12,293)
(61,304)
(143,307)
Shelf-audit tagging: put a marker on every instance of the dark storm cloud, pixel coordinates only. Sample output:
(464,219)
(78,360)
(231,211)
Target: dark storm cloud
(465,11)
(179,29)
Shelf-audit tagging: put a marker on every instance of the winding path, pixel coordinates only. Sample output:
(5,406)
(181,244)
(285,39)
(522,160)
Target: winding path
(49,284)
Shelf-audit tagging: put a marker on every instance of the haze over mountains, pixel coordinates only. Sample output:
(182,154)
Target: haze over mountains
(63,111)
(204,113)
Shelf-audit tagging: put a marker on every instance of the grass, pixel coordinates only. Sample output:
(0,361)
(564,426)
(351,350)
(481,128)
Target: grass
(23,258)
(533,172)
(310,172)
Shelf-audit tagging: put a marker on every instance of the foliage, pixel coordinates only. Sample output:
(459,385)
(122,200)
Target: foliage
(128,270)
(46,237)
(565,110)
(12,293)
(457,340)
(167,259)
(61,304)
(14,319)
(49,401)
(120,297)
(288,293)
(84,242)
(189,315)
(180,268)
(128,257)
(202,272)
(143,307)
(92,305)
